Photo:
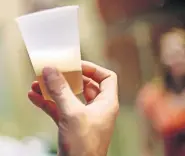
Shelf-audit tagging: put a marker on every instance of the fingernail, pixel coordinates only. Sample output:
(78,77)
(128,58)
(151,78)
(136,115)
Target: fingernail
(50,74)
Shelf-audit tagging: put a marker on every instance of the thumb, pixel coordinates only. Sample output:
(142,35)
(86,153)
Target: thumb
(59,90)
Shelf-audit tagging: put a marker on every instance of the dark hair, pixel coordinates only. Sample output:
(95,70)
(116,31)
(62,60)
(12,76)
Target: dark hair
(174,17)
(173,3)
(160,30)
(172,23)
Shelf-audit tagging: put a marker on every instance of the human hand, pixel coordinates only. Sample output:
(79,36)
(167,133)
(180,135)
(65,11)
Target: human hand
(84,130)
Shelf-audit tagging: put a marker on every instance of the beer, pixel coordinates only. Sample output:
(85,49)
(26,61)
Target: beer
(74,79)
(67,62)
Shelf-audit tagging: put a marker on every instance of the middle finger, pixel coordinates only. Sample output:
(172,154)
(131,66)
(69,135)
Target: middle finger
(91,89)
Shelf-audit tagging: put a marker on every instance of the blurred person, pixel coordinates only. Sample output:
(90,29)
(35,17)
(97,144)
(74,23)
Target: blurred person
(84,130)
(121,47)
(162,102)
(164,124)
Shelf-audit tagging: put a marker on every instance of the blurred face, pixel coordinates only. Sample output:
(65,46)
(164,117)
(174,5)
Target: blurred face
(173,52)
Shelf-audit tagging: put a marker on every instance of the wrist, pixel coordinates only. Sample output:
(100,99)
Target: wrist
(62,152)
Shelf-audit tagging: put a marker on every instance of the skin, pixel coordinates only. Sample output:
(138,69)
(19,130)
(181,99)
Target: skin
(83,130)
(173,52)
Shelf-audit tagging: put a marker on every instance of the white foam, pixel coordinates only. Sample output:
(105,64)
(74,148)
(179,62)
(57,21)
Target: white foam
(64,60)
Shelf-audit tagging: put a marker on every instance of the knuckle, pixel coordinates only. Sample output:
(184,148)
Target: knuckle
(56,87)
(59,91)
(113,74)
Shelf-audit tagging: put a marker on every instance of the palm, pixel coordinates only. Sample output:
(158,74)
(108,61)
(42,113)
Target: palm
(91,90)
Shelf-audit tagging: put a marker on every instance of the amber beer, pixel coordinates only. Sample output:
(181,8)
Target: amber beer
(74,79)
(67,61)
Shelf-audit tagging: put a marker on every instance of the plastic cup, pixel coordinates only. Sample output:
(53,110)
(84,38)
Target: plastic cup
(52,39)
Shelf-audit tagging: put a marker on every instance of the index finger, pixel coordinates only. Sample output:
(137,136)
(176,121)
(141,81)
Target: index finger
(106,79)
(95,72)
(35,87)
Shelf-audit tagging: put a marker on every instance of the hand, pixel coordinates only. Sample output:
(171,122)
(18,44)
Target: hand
(84,130)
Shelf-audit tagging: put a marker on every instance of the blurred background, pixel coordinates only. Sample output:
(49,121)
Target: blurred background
(114,33)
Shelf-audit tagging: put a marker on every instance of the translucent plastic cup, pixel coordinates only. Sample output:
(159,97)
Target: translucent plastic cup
(52,39)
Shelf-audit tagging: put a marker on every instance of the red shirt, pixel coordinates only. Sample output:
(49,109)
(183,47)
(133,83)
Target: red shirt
(168,120)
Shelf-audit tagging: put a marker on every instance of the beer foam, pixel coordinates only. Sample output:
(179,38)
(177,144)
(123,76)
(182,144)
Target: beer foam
(64,60)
